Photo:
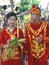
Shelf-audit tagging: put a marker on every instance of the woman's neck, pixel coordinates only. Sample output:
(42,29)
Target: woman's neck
(11,29)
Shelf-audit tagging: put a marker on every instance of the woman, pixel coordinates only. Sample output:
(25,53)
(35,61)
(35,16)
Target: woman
(14,57)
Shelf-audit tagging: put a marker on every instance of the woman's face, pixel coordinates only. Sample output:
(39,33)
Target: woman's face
(12,21)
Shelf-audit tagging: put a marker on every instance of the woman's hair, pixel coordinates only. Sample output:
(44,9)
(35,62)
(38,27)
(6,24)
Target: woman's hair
(11,14)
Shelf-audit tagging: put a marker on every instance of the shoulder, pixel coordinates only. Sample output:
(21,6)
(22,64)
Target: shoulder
(4,31)
(28,25)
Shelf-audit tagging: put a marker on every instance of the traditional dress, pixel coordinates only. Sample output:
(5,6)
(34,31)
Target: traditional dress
(14,56)
(38,53)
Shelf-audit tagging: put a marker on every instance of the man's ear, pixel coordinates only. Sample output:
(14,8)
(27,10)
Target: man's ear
(39,16)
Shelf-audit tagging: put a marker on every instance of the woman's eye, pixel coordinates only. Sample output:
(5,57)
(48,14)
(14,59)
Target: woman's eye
(10,19)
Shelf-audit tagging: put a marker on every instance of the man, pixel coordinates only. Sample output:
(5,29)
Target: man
(37,38)
(14,56)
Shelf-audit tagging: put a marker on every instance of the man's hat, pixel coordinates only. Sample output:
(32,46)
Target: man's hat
(35,10)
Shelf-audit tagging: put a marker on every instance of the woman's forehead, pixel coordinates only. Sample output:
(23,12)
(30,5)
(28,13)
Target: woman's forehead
(12,17)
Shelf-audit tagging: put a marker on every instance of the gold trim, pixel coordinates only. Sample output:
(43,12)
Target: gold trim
(37,48)
(12,35)
(38,31)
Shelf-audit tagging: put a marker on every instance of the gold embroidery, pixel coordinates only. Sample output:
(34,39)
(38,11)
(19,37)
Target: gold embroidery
(11,53)
(10,34)
(37,49)
(38,56)
(33,37)
(38,31)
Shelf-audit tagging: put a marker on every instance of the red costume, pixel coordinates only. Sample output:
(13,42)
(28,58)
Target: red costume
(38,53)
(15,55)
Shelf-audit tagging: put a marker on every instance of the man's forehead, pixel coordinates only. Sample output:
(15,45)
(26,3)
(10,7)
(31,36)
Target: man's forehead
(34,14)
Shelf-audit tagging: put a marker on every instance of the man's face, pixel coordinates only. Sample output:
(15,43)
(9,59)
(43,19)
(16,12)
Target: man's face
(34,16)
(12,21)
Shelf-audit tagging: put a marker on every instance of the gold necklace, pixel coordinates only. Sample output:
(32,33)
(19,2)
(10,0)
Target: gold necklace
(10,34)
(38,31)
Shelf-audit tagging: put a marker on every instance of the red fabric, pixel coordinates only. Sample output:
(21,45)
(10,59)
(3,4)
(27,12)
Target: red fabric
(35,10)
(31,59)
(4,37)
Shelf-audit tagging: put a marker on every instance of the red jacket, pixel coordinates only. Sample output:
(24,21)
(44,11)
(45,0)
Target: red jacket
(8,59)
(38,53)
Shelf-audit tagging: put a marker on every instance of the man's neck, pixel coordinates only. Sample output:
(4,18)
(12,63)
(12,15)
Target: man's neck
(36,22)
